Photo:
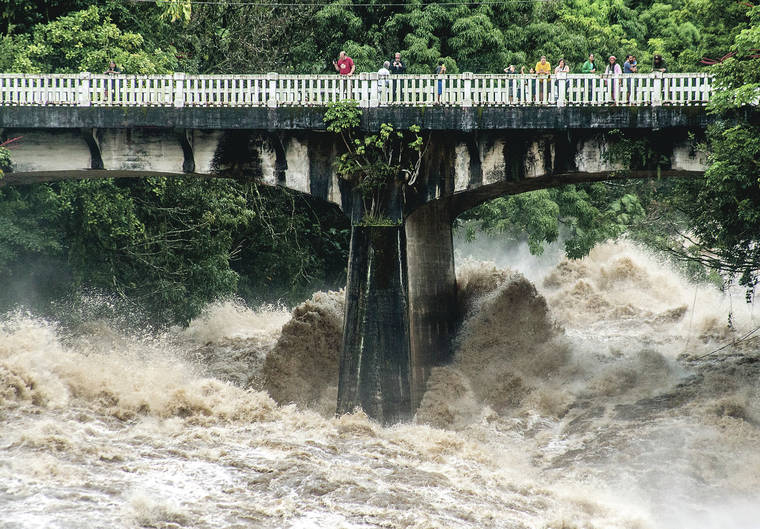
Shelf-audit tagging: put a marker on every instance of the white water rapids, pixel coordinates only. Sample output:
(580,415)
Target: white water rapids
(575,403)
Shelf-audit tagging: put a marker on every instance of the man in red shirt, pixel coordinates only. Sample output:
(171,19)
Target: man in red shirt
(344,65)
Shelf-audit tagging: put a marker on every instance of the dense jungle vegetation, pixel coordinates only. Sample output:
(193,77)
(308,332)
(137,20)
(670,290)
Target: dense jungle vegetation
(168,246)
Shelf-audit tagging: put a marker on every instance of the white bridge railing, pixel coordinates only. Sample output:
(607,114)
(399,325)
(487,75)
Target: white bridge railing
(275,90)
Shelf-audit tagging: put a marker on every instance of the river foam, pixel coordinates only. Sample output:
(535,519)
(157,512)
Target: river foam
(576,400)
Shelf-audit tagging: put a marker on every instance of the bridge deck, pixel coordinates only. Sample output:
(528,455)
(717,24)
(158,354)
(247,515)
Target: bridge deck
(370,90)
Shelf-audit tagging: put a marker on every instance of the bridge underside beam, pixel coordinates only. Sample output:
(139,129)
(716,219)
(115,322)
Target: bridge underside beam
(461,202)
(443,118)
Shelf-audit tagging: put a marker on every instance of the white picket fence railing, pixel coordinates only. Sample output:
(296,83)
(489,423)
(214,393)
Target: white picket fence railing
(369,89)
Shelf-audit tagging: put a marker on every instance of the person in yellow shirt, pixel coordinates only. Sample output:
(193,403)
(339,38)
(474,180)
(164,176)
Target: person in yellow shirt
(543,67)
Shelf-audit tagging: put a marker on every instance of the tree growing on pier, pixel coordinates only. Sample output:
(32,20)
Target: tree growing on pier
(378,164)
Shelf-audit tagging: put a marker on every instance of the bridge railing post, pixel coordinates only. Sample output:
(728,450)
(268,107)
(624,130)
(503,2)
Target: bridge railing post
(561,80)
(467,88)
(83,89)
(657,89)
(375,89)
(179,89)
(364,91)
(272,78)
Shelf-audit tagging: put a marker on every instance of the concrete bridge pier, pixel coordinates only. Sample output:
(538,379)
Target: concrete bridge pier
(375,361)
(400,313)
(433,308)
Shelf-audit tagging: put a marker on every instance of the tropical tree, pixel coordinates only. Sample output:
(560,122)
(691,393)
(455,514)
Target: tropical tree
(723,207)
(82,41)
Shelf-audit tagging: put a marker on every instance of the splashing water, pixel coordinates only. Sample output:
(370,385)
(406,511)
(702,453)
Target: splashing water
(574,401)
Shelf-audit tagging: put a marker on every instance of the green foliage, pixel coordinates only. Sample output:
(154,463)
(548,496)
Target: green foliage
(478,43)
(722,208)
(343,117)
(295,244)
(586,215)
(82,41)
(27,220)
(163,242)
(375,164)
(737,80)
(634,152)
(168,245)
(380,220)
(5,160)
(17,17)
(224,38)
(176,10)
(32,246)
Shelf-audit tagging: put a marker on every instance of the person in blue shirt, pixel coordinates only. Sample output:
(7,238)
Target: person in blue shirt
(629,66)
(440,70)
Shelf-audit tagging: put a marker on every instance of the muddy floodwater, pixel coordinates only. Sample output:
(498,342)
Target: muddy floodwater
(580,397)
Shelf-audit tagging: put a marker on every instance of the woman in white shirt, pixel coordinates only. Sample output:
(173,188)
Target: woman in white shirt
(562,67)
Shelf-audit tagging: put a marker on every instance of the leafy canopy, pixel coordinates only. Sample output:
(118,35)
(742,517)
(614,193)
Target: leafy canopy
(82,41)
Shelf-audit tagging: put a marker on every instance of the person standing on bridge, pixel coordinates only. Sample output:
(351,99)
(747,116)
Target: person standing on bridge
(345,68)
(542,68)
(511,88)
(344,65)
(613,69)
(629,66)
(440,70)
(383,82)
(398,67)
(658,64)
(562,67)
(589,67)
(112,70)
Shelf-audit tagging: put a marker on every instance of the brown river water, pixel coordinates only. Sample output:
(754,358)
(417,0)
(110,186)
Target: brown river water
(577,400)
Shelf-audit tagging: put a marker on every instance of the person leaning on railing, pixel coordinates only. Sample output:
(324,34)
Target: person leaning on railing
(613,69)
(589,67)
(440,70)
(542,68)
(562,67)
(112,69)
(510,70)
(658,64)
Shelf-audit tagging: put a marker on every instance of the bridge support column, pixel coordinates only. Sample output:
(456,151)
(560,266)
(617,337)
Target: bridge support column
(432,291)
(400,313)
(375,361)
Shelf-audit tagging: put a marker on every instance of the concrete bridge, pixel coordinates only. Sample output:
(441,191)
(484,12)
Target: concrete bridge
(491,136)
